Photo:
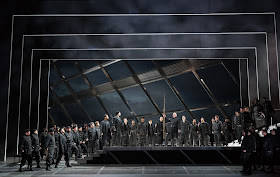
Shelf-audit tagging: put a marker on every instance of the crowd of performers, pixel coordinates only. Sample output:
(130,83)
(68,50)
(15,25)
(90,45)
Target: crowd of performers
(250,126)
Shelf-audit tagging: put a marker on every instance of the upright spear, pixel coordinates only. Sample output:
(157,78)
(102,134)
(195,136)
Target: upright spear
(164,117)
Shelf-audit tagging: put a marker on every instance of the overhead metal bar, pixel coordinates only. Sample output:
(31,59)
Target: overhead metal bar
(92,89)
(162,73)
(94,68)
(231,74)
(61,105)
(206,88)
(202,66)
(118,91)
(71,91)
(138,81)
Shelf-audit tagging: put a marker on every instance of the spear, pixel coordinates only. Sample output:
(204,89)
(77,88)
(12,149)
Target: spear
(164,117)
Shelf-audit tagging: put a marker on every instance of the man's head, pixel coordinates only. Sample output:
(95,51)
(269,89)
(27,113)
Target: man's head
(51,131)
(194,121)
(213,119)
(226,119)
(106,117)
(246,109)
(174,115)
(184,118)
(150,122)
(142,119)
(46,130)
(118,113)
(27,132)
(97,123)
(202,120)
(75,128)
(133,122)
(161,119)
(68,129)
(265,99)
(216,117)
(91,124)
(237,113)
(80,128)
(35,131)
(125,120)
(241,110)
(62,130)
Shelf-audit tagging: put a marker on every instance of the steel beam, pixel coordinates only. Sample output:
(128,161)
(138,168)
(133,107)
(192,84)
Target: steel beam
(206,88)
(71,91)
(162,73)
(118,91)
(138,81)
(92,89)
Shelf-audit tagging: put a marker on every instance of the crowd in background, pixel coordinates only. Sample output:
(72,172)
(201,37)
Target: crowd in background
(253,128)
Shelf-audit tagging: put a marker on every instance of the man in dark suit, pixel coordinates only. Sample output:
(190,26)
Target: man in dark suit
(36,147)
(50,145)
(26,150)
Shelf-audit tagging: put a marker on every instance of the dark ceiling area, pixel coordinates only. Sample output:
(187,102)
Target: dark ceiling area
(66,61)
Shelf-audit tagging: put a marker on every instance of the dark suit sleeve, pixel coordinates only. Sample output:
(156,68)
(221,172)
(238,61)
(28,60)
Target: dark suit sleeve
(47,141)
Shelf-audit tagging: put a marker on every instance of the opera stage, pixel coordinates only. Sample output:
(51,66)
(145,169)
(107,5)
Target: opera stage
(164,156)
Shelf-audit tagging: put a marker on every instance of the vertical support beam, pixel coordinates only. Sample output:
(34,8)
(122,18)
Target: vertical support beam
(72,92)
(138,81)
(92,89)
(175,91)
(206,88)
(52,119)
(118,91)
(231,74)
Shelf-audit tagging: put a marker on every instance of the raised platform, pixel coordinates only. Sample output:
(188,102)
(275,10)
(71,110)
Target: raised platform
(164,155)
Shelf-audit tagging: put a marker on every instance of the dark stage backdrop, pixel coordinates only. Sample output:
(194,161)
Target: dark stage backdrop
(264,41)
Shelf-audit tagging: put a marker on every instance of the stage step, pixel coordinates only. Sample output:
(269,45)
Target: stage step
(163,155)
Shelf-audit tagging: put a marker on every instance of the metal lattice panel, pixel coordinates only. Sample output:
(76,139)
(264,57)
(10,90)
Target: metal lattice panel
(149,76)
(174,68)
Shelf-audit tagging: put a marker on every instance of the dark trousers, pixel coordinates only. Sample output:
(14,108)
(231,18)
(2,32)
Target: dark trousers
(194,139)
(228,136)
(204,139)
(125,140)
(159,138)
(80,150)
(116,141)
(150,140)
(168,138)
(26,157)
(66,157)
(83,147)
(217,138)
(142,140)
(174,136)
(71,148)
(49,158)
(133,139)
(43,151)
(91,145)
(246,161)
(184,139)
(238,133)
(36,155)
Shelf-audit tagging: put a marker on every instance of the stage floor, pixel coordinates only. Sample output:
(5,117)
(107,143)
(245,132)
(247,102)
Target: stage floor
(11,169)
